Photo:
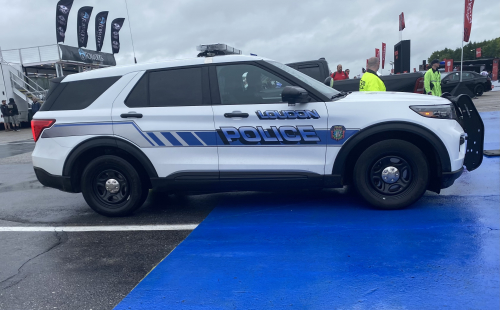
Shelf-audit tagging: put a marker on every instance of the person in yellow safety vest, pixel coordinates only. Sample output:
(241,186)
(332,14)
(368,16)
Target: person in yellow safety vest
(432,80)
(370,80)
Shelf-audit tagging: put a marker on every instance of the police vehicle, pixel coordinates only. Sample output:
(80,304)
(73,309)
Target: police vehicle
(224,122)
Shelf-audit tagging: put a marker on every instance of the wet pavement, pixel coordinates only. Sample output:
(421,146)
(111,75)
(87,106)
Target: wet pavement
(304,250)
(16,148)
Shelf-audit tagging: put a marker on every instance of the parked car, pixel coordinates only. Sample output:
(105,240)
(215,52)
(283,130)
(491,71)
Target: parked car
(477,83)
(237,122)
(318,70)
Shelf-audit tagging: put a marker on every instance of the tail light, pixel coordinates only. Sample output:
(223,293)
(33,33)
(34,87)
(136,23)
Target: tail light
(419,86)
(38,125)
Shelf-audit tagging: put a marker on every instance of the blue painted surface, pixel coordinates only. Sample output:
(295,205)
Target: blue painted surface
(325,250)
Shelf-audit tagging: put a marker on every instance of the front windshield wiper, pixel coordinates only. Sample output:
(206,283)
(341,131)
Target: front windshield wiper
(340,94)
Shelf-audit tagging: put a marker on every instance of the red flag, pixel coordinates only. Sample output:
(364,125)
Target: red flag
(377,53)
(478,52)
(494,71)
(448,65)
(383,55)
(402,21)
(469,5)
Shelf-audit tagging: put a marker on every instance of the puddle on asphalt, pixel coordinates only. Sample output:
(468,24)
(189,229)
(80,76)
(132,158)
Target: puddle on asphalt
(34,184)
(13,149)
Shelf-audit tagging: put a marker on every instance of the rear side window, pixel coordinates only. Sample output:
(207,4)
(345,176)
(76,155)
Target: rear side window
(138,97)
(76,95)
(178,87)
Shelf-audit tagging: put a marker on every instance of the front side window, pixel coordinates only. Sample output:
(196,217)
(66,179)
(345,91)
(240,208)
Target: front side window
(249,84)
(322,88)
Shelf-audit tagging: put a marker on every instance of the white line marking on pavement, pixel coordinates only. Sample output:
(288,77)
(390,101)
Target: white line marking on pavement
(100,228)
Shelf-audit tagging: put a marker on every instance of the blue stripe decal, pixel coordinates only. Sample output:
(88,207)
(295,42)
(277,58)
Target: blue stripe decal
(209,137)
(137,128)
(171,139)
(189,138)
(155,139)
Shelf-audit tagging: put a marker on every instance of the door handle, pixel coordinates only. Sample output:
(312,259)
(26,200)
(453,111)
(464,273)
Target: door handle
(236,114)
(131,115)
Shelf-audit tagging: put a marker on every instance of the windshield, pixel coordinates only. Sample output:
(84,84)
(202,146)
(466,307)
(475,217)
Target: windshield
(325,90)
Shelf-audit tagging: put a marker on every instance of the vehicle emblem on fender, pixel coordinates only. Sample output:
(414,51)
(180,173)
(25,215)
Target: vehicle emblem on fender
(338,132)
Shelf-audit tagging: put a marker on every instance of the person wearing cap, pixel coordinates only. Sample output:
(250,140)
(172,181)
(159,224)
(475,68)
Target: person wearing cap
(432,80)
(370,80)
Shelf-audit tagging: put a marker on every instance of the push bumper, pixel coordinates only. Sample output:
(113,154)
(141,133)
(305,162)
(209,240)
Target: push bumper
(55,181)
(448,178)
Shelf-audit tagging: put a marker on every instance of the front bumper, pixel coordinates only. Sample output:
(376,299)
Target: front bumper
(448,178)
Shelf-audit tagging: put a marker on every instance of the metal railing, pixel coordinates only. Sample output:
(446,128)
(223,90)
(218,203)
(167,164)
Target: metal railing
(30,55)
(24,84)
(28,90)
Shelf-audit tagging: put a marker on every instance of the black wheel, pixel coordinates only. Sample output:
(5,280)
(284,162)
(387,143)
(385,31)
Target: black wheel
(479,90)
(391,174)
(112,187)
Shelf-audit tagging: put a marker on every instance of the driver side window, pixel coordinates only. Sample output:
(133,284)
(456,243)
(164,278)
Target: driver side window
(249,84)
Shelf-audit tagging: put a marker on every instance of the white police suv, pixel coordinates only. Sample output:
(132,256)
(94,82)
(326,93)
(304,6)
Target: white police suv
(244,123)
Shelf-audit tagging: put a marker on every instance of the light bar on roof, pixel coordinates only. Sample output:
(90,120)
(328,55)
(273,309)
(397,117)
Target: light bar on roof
(219,47)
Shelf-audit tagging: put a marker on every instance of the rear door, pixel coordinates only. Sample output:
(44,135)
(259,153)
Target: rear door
(260,136)
(167,114)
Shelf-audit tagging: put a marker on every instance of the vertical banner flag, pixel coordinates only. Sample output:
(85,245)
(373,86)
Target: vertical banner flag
(383,55)
(83,25)
(469,5)
(478,52)
(494,70)
(402,21)
(448,65)
(116,26)
(100,29)
(377,53)
(62,13)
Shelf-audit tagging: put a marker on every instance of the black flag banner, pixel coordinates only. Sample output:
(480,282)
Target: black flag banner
(83,25)
(116,26)
(100,29)
(62,13)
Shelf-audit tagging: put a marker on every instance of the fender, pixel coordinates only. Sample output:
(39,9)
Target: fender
(429,136)
(111,142)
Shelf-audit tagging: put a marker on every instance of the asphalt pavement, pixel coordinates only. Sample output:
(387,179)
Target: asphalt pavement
(251,250)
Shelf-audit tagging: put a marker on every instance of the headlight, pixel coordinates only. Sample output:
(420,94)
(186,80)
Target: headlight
(436,111)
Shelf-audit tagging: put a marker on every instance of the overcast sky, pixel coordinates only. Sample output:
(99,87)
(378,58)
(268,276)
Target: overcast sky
(345,32)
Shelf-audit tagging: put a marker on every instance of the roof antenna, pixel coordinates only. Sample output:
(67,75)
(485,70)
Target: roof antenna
(130,27)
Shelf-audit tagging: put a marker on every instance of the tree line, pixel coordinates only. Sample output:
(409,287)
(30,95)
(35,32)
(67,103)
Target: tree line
(489,49)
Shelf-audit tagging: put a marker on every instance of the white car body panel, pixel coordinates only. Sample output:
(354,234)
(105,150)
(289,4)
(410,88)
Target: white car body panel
(356,111)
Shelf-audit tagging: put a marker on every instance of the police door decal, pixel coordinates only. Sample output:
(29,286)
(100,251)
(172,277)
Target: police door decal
(275,135)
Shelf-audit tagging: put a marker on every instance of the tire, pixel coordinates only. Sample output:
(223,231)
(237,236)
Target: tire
(131,190)
(400,190)
(479,90)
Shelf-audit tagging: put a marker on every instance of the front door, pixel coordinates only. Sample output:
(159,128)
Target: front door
(167,114)
(258,134)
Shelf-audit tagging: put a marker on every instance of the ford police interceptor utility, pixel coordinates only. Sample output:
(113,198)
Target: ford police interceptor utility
(236,122)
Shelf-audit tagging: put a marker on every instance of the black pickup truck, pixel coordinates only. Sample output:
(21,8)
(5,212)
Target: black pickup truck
(406,82)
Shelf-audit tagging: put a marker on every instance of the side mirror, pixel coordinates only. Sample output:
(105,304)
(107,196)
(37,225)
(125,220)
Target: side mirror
(294,94)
